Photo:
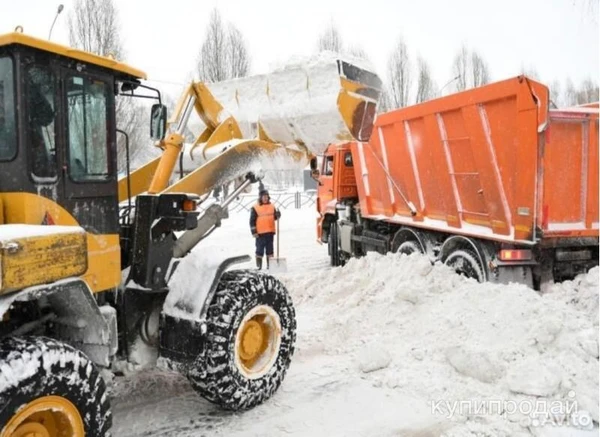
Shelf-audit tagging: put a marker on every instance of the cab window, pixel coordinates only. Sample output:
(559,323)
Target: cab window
(87,129)
(348,159)
(41,121)
(8,132)
(328,166)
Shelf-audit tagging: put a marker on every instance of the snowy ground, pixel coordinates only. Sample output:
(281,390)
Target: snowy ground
(392,346)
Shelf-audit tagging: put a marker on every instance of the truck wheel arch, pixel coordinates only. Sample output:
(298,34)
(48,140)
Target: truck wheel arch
(406,234)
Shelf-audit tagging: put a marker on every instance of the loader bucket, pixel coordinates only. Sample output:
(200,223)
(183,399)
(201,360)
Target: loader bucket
(311,104)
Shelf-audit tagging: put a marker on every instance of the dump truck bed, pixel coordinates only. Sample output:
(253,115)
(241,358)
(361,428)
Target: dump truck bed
(491,162)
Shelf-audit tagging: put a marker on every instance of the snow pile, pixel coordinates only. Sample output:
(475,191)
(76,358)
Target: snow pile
(582,293)
(423,330)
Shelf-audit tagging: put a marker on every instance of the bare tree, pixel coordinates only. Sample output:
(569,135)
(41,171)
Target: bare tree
(425,85)
(330,40)
(223,54)
(212,62)
(469,69)
(94,27)
(555,94)
(460,67)
(479,70)
(399,72)
(357,52)
(385,100)
(587,92)
(239,57)
(570,93)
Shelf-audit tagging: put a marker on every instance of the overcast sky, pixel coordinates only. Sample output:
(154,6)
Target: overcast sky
(557,38)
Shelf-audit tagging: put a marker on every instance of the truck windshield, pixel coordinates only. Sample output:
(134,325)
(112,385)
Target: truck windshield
(8,133)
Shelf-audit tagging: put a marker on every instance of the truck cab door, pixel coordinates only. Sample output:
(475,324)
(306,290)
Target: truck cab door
(325,190)
(345,178)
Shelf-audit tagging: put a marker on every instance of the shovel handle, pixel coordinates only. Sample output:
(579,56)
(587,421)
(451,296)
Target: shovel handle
(277,238)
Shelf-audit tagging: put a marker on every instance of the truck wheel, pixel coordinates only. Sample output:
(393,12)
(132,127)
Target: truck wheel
(465,262)
(251,331)
(409,247)
(334,246)
(48,388)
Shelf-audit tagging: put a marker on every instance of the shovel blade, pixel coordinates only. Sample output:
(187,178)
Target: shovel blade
(278,265)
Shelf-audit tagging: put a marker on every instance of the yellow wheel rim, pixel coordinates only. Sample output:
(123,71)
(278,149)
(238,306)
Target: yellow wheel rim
(49,416)
(257,341)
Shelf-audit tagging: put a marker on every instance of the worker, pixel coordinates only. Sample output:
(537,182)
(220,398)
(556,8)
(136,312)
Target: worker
(262,226)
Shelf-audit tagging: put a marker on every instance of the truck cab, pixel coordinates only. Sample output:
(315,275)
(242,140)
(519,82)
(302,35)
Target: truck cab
(337,183)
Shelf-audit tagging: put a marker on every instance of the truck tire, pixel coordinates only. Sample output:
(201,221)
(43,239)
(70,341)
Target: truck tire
(251,332)
(465,262)
(408,247)
(334,246)
(53,387)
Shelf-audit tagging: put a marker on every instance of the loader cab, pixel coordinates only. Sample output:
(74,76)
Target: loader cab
(58,154)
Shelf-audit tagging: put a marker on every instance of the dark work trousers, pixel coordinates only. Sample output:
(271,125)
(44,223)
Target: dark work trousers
(264,243)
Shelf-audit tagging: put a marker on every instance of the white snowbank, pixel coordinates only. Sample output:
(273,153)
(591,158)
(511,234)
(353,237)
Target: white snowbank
(451,339)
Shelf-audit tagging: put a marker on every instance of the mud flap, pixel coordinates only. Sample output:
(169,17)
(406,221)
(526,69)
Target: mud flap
(182,321)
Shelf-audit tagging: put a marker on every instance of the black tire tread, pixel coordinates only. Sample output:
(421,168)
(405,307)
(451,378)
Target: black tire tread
(409,246)
(474,258)
(214,374)
(334,248)
(60,370)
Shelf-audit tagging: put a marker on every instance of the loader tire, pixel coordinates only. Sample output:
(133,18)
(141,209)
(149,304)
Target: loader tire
(50,388)
(251,332)
(334,247)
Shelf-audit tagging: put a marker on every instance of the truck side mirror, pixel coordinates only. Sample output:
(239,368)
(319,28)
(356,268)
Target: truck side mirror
(158,121)
(314,170)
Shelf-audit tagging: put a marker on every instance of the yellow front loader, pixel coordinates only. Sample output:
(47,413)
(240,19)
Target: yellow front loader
(86,259)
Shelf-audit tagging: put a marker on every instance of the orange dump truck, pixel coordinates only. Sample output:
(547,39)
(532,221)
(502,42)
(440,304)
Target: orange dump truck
(489,181)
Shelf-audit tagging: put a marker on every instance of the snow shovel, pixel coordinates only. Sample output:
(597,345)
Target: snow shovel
(278,264)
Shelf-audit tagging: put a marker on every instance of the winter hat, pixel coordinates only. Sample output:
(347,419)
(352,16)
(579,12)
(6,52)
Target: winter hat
(262,191)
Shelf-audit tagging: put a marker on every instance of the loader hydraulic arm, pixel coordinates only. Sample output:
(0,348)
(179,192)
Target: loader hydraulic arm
(293,113)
